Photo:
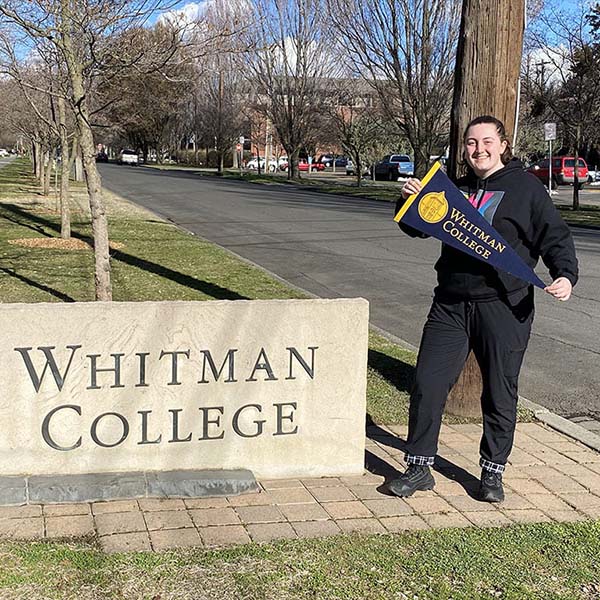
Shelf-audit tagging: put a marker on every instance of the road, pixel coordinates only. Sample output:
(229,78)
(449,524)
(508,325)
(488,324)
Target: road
(336,246)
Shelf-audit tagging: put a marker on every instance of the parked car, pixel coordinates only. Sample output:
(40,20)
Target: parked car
(330,159)
(128,157)
(303,165)
(101,157)
(3,152)
(593,176)
(563,171)
(326,159)
(350,170)
(315,166)
(341,161)
(253,164)
(394,166)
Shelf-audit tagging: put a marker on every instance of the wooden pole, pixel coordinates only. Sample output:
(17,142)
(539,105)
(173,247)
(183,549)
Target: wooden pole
(488,64)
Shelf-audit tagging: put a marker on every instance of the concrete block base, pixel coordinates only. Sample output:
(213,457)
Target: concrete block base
(54,489)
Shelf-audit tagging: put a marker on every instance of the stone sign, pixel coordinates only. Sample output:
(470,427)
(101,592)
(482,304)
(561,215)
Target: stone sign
(274,386)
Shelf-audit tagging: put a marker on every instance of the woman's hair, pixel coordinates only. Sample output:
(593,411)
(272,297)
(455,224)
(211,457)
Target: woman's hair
(489,120)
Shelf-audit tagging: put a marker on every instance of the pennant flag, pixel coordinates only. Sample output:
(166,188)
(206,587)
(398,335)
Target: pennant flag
(441,210)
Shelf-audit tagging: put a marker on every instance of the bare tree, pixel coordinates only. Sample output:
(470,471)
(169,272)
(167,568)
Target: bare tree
(80,32)
(144,106)
(566,83)
(42,84)
(291,55)
(406,50)
(361,127)
(219,110)
(32,112)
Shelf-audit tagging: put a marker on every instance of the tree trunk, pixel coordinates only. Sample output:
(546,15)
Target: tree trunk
(99,219)
(293,170)
(78,175)
(65,211)
(35,153)
(46,173)
(221,162)
(487,68)
(88,151)
(576,169)
(486,83)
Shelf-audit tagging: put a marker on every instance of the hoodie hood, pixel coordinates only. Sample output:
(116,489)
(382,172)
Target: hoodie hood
(473,182)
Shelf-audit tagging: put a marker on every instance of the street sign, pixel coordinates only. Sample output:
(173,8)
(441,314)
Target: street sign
(549,131)
(238,147)
(242,140)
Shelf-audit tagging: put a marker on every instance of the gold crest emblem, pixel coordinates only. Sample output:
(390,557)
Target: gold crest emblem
(433,207)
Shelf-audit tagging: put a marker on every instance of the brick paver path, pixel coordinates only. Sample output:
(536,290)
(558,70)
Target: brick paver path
(550,478)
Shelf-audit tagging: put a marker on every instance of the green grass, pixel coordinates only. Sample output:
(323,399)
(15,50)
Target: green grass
(521,562)
(587,215)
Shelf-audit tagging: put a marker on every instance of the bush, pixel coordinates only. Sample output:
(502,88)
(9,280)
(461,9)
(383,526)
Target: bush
(199,158)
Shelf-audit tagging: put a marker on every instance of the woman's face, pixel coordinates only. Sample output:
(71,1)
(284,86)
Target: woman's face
(483,149)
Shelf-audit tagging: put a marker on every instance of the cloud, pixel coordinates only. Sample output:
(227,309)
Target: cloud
(189,13)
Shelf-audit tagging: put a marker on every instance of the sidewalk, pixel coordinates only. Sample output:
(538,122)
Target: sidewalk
(550,477)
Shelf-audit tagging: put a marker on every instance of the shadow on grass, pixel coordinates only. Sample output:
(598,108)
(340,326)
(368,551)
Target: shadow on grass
(40,286)
(395,371)
(46,227)
(23,219)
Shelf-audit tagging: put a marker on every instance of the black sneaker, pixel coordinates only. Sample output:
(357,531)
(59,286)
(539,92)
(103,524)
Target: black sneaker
(490,487)
(415,478)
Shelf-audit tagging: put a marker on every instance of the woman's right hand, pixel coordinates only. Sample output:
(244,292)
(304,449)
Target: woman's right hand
(412,186)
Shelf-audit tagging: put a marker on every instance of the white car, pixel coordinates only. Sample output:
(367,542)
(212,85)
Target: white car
(253,165)
(128,157)
(350,170)
(3,152)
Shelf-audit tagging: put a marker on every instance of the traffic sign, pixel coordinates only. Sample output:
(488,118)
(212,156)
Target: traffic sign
(549,131)
(238,147)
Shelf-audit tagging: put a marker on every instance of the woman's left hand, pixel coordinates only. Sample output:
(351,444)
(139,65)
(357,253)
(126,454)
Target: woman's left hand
(560,288)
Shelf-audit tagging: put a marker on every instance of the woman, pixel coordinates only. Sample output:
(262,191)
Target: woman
(479,308)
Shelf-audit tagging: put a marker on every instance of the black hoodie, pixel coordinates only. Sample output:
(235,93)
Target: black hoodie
(521,211)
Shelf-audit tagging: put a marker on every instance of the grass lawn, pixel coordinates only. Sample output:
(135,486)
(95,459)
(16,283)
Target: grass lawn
(587,215)
(155,260)
(515,563)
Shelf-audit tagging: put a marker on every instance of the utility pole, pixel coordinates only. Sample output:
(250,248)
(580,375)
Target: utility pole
(486,82)
(220,149)
(488,63)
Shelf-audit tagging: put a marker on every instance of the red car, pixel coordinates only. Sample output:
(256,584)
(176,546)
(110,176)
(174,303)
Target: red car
(563,170)
(316,166)
(303,166)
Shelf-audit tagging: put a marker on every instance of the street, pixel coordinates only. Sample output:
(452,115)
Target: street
(336,246)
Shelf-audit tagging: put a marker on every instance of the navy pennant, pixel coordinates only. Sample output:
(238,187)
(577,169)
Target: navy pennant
(441,211)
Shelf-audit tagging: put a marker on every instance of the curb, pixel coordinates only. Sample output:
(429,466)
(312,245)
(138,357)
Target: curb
(573,430)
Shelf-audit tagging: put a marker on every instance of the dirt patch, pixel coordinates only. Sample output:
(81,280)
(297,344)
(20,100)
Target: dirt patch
(59,244)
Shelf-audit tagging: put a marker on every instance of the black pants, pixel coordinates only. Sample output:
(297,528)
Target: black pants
(497,332)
